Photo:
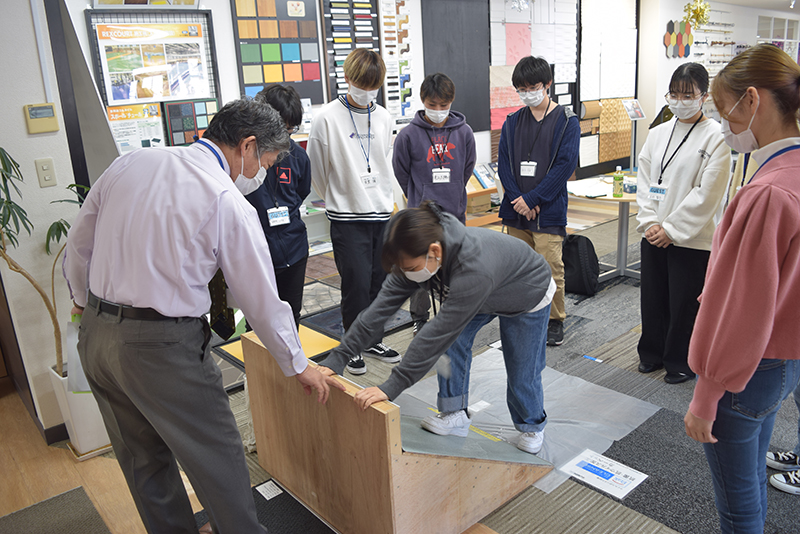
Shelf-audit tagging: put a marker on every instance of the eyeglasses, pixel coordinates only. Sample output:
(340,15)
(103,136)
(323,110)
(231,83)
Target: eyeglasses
(673,98)
(537,87)
(293,129)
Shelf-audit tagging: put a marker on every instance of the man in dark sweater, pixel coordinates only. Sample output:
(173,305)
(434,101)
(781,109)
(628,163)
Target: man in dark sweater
(433,160)
(538,152)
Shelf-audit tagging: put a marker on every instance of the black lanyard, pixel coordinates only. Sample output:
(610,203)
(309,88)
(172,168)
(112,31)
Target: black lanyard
(444,148)
(744,171)
(539,130)
(369,129)
(269,190)
(664,167)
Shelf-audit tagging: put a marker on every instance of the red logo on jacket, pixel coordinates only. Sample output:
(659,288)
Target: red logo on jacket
(440,150)
(284,175)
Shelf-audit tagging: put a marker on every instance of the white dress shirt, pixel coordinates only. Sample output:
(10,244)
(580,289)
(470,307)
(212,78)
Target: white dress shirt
(157,225)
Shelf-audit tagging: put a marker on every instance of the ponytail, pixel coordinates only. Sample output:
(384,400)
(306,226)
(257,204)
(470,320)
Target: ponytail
(411,232)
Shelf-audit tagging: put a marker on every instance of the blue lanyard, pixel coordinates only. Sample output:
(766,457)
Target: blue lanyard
(775,155)
(212,151)
(369,129)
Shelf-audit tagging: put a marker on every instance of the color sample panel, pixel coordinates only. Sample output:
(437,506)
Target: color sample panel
(185,120)
(278,42)
(348,25)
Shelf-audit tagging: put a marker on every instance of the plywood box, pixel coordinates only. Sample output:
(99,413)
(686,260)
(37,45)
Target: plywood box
(349,467)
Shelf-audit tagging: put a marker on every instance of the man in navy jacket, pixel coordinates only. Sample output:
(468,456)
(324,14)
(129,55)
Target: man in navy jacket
(278,201)
(538,152)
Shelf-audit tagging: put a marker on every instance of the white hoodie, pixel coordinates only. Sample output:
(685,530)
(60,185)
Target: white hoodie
(696,181)
(337,147)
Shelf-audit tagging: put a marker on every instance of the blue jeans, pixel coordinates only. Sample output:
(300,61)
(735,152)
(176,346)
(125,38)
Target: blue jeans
(797,402)
(743,429)
(524,338)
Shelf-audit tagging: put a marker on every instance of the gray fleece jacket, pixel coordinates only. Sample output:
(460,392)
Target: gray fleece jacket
(483,272)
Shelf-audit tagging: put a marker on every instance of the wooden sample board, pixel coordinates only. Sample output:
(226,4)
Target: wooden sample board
(349,467)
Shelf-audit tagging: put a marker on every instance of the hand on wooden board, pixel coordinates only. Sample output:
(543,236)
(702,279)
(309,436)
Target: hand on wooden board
(311,378)
(369,396)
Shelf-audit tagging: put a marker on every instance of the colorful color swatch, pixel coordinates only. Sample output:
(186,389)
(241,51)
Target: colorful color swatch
(277,42)
(348,25)
(185,120)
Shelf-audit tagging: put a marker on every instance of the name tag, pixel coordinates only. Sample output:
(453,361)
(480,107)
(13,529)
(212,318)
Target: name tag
(369,179)
(657,192)
(441,176)
(527,168)
(278,216)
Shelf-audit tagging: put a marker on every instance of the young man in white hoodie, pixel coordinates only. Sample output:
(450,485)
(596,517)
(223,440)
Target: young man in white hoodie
(348,146)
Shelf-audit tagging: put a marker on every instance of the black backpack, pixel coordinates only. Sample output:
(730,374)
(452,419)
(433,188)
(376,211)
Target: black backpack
(581,268)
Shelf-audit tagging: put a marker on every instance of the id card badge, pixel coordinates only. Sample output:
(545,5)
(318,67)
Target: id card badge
(657,192)
(278,216)
(369,179)
(527,168)
(441,176)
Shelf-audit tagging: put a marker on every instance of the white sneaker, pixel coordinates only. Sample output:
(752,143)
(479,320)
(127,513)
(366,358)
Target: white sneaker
(531,442)
(448,424)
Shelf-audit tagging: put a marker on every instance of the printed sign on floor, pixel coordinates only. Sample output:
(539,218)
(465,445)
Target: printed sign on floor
(603,473)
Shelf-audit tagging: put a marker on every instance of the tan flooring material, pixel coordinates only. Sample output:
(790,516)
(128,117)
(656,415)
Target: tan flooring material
(621,352)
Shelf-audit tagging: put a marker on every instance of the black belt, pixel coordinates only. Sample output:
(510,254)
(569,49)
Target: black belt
(128,312)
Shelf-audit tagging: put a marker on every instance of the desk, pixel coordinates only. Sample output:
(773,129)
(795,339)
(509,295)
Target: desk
(592,186)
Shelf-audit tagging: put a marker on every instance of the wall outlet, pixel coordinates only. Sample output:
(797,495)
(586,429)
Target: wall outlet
(46,172)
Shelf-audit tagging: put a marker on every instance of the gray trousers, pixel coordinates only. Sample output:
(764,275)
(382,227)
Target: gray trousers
(162,400)
(420,305)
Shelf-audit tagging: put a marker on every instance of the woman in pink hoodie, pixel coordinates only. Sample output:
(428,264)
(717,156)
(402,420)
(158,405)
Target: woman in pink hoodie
(745,343)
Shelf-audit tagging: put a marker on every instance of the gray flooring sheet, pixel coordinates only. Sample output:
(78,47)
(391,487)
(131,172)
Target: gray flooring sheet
(581,415)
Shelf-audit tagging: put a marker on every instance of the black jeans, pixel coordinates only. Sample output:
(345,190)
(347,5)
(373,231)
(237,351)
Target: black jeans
(290,281)
(672,279)
(357,250)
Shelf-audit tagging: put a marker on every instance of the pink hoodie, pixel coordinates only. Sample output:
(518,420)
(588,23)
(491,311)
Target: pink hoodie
(750,306)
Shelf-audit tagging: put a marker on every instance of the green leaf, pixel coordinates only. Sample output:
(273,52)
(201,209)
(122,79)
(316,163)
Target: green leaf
(56,231)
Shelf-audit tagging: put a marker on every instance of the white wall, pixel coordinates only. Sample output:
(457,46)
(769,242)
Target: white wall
(25,86)
(655,69)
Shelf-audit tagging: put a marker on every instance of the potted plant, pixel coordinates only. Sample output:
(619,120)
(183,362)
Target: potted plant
(79,409)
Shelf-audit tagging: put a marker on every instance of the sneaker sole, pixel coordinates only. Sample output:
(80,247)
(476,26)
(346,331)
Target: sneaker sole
(383,359)
(788,488)
(359,371)
(554,343)
(781,466)
(529,451)
(460,432)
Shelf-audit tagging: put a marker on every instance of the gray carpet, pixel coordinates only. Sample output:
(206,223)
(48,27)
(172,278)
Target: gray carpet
(71,512)
(678,491)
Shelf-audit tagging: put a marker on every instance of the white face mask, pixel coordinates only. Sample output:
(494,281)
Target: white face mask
(362,97)
(247,185)
(685,111)
(532,98)
(745,141)
(437,116)
(424,274)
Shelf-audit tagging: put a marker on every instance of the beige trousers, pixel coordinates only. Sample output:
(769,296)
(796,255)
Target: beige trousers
(549,246)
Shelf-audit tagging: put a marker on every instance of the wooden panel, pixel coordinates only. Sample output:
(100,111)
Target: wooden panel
(266,8)
(248,29)
(245,8)
(268,29)
(335,458)
(479,528)
(447,495)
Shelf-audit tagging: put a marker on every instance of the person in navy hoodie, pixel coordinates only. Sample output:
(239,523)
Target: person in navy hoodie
(433,160)
(278,201)
(538,152)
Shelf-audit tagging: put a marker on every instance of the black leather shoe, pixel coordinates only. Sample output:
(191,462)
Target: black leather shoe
(649,367)
(677,378)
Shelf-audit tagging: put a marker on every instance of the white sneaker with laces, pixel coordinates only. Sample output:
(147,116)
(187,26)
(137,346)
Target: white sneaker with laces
(531,442)
(783,461)
(356,365)
(788,482)
(448,424)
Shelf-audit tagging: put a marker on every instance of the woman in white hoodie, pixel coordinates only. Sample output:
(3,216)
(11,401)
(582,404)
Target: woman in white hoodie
(684,168)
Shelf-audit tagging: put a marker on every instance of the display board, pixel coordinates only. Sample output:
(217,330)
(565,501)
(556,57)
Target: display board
(347,25)
(456,36)
(152,56)
(136,126)
(185,120)
(397,54)
(277,42)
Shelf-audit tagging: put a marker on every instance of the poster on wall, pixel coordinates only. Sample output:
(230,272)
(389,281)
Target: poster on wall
(152,62)
(136,126)
(277,42)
